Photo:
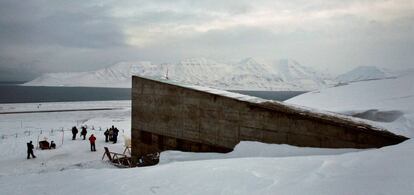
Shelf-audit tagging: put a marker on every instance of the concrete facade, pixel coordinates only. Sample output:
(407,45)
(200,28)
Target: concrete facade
(167,116)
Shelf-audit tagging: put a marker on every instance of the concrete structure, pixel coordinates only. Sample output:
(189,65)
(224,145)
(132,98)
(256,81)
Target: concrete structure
(168,116)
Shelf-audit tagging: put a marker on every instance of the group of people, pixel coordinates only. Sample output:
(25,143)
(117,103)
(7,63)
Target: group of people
(111,134)
(83,133)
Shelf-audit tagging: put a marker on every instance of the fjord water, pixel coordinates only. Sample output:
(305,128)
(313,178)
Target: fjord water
(31,94)
(12,93)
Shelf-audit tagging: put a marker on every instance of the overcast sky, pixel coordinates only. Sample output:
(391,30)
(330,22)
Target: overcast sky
(60,35)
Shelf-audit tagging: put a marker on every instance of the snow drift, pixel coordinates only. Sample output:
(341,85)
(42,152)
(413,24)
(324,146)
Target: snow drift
(389,102)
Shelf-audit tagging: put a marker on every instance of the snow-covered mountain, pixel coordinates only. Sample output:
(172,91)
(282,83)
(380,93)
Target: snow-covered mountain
(296,74)
(198,71)
(247,74)
(118,75)
(364,73)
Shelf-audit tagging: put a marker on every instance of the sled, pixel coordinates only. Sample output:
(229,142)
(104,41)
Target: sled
(117,159)
(149,160)
(44,145)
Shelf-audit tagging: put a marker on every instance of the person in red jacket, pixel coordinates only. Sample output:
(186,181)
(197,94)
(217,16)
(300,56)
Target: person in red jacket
(92,139)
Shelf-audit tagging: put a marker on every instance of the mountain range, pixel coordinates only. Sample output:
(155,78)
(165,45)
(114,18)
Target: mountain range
(364,73)
(247,74)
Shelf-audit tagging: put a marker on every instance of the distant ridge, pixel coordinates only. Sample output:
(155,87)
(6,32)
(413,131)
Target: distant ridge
(364,73)
(247,74)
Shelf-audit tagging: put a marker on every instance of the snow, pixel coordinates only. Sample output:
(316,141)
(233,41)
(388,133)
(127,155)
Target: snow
(45,106)
(17,129)
(248,74)
(383,171)
(391,99)
(117,76)
(252,168)
(363,73)
(249,149)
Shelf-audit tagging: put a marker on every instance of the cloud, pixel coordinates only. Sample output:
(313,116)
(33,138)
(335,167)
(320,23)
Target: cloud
(64,24)
(84,35)
(169,21)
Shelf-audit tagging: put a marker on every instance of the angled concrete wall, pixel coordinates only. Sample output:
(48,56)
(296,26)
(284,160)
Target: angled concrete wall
(167,116)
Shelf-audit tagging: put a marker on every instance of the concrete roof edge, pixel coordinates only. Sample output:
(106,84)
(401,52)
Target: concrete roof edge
(325,116)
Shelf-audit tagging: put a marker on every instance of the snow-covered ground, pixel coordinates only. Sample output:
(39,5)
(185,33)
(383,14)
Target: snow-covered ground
(18,129)
(34,107)
(252,168)
(383,171)
(388,102)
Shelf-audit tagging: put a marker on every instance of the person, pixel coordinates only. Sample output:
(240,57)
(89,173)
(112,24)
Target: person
(92,139)
(111,132)
(74,132)
(106,135)
(115,135)
(52,145)
(84,132)
(30,150)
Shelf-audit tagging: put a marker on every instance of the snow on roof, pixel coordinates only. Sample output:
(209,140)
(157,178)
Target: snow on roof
(233,95)
(315,114)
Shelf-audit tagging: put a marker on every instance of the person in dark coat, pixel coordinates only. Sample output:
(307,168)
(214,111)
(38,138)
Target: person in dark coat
(110,135)
(106,135)
(115,135)
(84,132)
(74,132)
(30,148)
(52,145)
(92,139)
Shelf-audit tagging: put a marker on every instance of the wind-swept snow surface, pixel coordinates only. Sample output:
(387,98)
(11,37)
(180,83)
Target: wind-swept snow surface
(383,171)
(388,102)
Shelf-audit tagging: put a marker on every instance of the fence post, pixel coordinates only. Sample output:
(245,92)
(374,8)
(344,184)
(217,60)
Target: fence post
(63,136)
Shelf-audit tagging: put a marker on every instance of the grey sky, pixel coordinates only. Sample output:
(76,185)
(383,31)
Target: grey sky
(51,36)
